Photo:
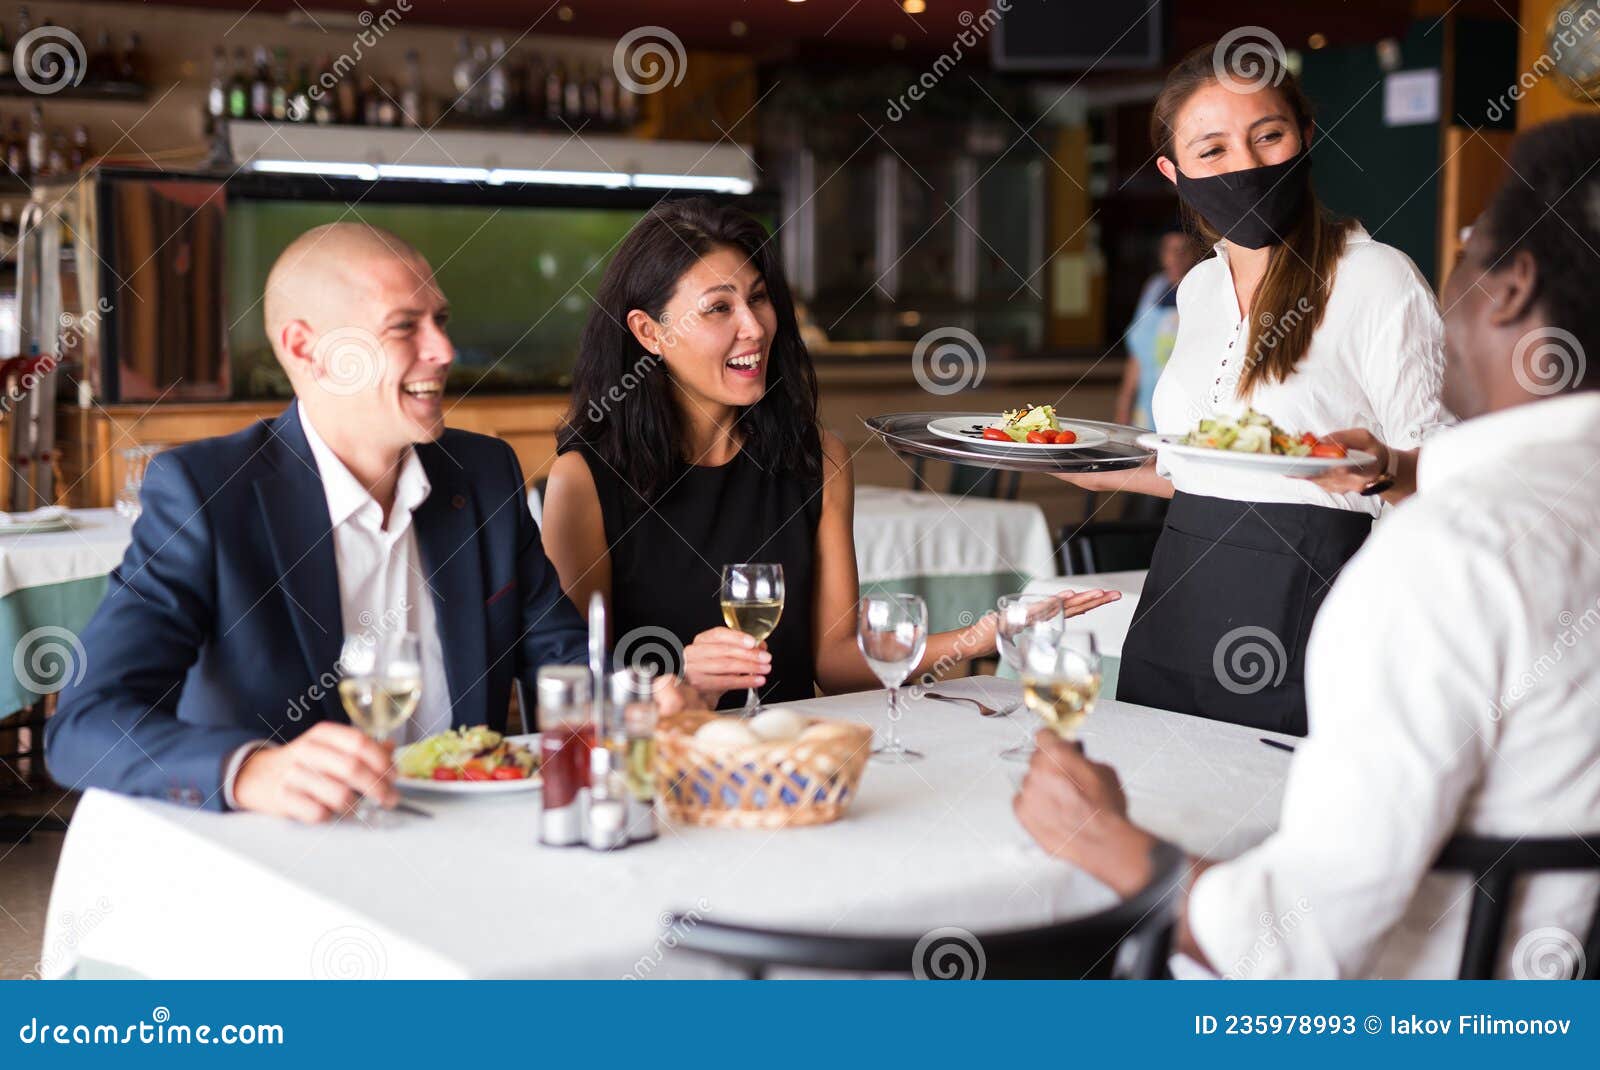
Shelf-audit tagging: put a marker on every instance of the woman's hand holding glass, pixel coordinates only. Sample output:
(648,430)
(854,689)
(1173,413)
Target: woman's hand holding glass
(724,659)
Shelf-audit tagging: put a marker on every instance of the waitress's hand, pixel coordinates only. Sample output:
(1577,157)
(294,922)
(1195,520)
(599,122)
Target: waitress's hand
(1354,480)
(980,640)
(722,659)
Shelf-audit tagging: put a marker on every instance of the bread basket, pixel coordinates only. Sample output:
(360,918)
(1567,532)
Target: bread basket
(806,781)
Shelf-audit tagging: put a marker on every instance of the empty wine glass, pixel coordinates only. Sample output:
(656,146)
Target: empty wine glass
(752,602)
(1019,614)
(380,688)
(1061,677)
(892,631)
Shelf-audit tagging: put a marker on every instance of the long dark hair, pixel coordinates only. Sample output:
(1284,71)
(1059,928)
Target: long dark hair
(622,405)
(1293,295)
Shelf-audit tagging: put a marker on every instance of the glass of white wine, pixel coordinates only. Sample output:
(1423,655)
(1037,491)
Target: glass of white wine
(892,631)
(1018,615)
(752,602)
(381,686)
(1060,677)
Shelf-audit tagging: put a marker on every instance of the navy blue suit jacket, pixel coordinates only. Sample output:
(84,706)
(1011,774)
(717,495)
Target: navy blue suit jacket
(222,624)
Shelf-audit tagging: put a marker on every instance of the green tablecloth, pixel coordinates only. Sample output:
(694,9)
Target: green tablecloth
(949,597)
(40,625)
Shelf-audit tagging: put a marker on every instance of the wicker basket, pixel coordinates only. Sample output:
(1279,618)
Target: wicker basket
(766,785)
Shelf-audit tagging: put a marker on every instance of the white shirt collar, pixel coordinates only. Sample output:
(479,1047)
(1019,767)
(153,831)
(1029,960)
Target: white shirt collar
(1487,439)
(346,496)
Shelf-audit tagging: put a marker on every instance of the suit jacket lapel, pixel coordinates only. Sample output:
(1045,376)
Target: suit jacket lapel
(447,526)
(294,508)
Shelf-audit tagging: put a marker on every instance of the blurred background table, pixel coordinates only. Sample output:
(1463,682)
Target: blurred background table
(960,553)
(147,887)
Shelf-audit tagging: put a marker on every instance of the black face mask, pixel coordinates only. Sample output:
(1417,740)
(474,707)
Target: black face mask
(1253,208)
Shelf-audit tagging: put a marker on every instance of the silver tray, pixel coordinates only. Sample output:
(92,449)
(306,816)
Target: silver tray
(907,433)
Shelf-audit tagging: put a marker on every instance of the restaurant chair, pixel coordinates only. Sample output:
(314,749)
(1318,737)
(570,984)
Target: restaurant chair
(1128,941)
(1107,546)
(1494,865)
(969,482)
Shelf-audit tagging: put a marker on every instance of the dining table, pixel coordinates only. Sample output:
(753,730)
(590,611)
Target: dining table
(150,888)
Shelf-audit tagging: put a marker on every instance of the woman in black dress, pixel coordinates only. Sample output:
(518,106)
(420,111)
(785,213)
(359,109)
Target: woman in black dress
(693,443)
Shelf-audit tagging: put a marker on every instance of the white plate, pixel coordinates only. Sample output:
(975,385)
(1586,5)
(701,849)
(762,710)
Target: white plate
(959,428)
(1262,463)
(475,787)
(37,522)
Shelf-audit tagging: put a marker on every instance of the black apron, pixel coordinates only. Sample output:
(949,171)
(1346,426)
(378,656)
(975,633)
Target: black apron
(1221,627)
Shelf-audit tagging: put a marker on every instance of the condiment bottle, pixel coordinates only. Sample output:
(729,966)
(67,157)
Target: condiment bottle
(564,744)
(608,803)
(633,696)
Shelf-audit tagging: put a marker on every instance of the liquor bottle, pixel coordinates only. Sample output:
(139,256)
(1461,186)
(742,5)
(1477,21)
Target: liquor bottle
(372,103)
(462,77)
(411,92)
(217,92)
(531,107)
(102,61)
(24,22)
(627,105)
(38,147)
(80,154)
(17,150)
(591,94)
(387,106)
(300,97)
(56,159)
(609,110)
(5,53)
(324,106)
(572,96)
(261,87)
(347,99)
(496,83)
(132,65)
(554,92)
(239,88)
(280,85)
(480,84)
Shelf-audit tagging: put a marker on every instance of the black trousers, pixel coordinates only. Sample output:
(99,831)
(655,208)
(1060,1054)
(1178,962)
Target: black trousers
(1221,628)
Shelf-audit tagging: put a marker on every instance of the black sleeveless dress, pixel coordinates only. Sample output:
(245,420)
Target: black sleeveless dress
(666,563)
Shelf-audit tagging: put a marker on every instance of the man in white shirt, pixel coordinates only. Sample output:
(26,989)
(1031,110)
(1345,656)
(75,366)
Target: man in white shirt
(211,666)
(1453,679)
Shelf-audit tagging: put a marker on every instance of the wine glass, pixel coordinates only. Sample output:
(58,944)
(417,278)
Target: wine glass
(892,631)
(381,685)
(1020,614)
(1061,677)
(752,602)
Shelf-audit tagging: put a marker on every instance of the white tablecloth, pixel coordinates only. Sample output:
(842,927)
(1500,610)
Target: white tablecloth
(906,533)
(166,891)
(93,547)
(1111,621)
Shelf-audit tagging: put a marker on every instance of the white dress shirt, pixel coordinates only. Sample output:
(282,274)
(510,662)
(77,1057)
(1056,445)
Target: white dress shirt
(1453,684)
(383,588)
(1375,362)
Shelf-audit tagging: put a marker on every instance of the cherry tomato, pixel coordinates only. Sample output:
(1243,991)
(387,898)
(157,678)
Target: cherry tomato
(1308,439)
(474,770)
(994,434)
(1329,449)
(507,772)
(444,772)
(1042,437)
(1066,438)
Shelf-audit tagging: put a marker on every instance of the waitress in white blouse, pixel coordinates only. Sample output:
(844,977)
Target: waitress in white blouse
(1306,319)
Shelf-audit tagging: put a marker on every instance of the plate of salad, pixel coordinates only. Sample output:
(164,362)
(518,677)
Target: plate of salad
(469,761)
(1031,427)
(1252,441)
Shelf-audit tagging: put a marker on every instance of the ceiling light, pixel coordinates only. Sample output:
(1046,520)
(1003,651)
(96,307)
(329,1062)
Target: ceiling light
(1317,40)
(914,7)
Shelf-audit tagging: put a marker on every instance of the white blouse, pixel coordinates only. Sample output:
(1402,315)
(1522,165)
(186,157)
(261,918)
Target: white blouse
(1375,362)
